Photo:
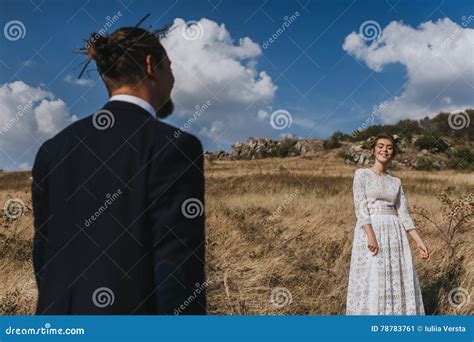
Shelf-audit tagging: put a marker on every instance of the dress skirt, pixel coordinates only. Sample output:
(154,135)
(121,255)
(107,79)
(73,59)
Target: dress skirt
(385,284)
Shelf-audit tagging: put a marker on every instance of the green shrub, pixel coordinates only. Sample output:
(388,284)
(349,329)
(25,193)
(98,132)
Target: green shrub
(432,143)
(333,141)
(461,159)
(286,147)
(425,164)
(345,155)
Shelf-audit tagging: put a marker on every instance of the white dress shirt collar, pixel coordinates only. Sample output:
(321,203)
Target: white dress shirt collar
(135,100)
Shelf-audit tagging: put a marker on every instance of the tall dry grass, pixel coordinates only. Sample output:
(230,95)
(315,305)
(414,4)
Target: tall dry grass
(279,237)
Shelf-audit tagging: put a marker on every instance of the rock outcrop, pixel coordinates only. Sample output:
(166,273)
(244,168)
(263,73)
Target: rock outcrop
(354,152)
(358,154)
(257,148)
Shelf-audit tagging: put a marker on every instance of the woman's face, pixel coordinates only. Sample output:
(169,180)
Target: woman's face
(383,150)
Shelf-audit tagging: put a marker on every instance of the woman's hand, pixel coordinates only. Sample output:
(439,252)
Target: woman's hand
(372,244)
(425,254)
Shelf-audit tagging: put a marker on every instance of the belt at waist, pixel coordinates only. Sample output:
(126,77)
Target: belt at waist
(383,211)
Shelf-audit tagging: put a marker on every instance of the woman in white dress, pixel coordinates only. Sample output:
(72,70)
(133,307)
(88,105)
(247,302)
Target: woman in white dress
(382,280)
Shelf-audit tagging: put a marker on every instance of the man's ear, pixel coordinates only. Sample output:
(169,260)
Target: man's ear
(150,69)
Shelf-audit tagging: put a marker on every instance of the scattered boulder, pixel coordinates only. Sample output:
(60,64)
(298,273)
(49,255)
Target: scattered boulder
(216,155)
(255,148)
(309,146)
(359,155)
(258,148)
(410,156)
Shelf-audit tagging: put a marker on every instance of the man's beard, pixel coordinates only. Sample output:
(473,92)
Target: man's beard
(165,110)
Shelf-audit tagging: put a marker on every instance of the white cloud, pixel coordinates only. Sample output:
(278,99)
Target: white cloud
(262,115)
(304,122)
(28,116)
(214,67)
(25,166)
(51,116)
(78,81)
(439,61)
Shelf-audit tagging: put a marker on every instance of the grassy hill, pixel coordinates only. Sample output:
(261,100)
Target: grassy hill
(279,235)
(445,141)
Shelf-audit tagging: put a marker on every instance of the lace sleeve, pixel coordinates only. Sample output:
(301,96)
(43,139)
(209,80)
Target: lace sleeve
(360,199)
(402,210)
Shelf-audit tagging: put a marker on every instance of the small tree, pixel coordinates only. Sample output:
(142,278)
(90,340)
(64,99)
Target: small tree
(453,219)
(430,142)
(334,141)
(462,159)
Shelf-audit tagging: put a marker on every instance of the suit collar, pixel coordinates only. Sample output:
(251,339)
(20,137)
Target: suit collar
(126,106)
(135,100)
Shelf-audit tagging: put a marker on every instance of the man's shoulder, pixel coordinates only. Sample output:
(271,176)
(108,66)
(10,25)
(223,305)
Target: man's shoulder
(59,138)
(174,136)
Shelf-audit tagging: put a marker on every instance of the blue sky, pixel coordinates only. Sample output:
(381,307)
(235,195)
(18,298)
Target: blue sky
(316,72)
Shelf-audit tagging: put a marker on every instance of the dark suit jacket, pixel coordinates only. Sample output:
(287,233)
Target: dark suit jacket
(119,217)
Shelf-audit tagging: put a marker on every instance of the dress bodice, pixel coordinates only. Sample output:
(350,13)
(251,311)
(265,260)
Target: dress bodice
(374,194)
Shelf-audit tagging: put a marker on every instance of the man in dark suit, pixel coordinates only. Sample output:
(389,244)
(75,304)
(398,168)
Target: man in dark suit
(118,196)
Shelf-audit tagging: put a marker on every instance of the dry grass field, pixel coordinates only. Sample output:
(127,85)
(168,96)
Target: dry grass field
(279,235)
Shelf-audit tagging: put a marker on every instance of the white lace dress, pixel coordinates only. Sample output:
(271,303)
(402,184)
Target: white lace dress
(385,284)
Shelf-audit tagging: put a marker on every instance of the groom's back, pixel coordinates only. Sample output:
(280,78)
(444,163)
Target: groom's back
(111,237)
